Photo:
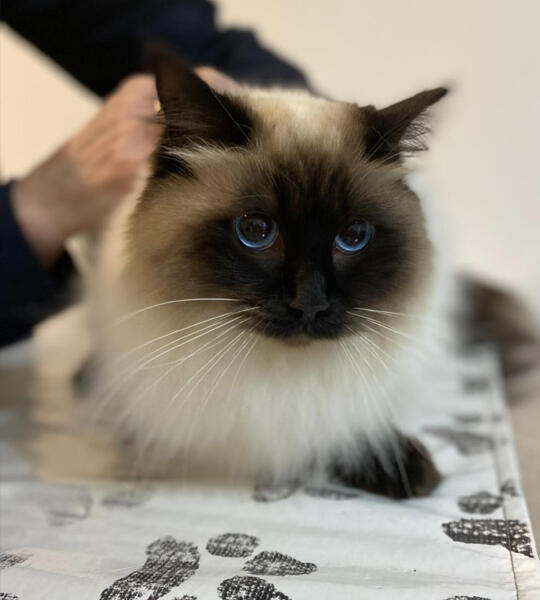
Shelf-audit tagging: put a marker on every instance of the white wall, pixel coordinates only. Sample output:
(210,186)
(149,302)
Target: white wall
(485,154)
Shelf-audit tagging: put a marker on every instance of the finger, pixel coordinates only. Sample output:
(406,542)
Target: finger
(216,79)
(125,137)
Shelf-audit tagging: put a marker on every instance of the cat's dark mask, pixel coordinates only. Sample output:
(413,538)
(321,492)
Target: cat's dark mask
(289,203)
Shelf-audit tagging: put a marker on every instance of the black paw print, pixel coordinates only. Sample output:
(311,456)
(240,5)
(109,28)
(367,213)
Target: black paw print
(127,497)
(509,533)
(475,384)
(509,488)
(326,492)
(467,598)
(466,442)
(10,559)
(482,503)
(171,562)
(238,588)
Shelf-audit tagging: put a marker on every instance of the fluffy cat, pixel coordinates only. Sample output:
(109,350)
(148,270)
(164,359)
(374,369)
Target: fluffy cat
(254,307)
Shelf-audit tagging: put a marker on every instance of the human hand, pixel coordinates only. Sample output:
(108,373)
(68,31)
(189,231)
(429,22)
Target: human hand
(76,187)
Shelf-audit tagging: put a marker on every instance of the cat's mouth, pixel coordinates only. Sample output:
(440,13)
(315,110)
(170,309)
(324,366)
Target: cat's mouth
(300,332)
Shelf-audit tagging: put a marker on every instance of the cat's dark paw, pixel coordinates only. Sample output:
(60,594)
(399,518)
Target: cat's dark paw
(404,470)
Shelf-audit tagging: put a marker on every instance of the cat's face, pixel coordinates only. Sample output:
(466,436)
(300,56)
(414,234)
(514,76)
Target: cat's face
(287,205)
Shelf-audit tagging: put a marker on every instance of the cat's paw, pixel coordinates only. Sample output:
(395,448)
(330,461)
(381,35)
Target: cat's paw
(405,470)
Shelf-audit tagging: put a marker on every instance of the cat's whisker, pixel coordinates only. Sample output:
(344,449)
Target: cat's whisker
(416,352)
(174,345)
(357,370)
(382,325)
(206,346)
(242,362)
(197,334)
(230,348)
(118,384)
(398,314)
(205,375)
(366,342)
(170,402)
(174,362)
(442,336)
(205,369)
(376,405)
(125,355)
(125,318)
(242,345)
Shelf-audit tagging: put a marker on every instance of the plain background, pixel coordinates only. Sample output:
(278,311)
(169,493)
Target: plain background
(484,160)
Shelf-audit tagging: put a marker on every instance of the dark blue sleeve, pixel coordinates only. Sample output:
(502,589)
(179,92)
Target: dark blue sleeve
(99,41)
(28,292)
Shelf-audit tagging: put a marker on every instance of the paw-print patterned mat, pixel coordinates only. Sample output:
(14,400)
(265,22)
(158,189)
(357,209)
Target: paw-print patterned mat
(67,536)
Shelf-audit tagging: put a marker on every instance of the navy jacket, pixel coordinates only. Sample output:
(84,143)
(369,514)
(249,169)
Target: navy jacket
(99,42)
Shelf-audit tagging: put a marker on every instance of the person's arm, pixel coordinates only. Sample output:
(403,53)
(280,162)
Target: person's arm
(71,191)
(28,291)
(101,41)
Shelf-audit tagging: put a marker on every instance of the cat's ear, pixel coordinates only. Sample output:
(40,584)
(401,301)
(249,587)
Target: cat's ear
(399,128)
(193,112)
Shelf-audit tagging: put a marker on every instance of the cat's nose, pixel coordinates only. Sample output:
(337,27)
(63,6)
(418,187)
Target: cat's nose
(307,311)
(310,297)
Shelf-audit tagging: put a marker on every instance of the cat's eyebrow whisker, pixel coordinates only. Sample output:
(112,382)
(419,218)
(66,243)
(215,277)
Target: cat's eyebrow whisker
(124,318)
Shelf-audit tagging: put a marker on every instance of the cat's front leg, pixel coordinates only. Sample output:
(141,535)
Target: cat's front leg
(402,468)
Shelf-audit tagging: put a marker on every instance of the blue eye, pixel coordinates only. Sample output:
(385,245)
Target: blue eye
(355,238)
(256,231)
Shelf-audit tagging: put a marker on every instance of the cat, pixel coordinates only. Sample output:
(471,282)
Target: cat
(254,306)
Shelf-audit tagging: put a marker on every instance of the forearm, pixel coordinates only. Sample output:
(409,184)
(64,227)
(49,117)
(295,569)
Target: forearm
(28,291)
(101,42)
